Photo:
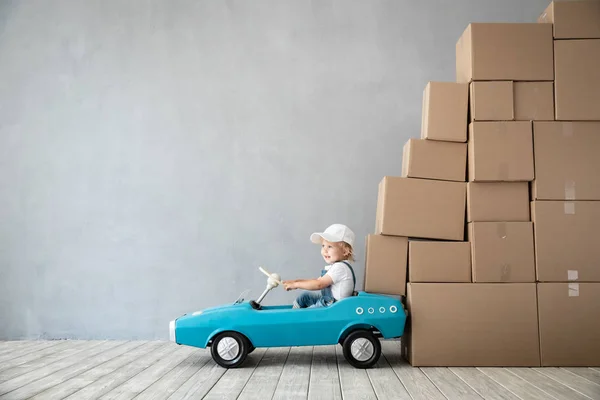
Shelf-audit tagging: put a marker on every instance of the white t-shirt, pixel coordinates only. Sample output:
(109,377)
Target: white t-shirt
(343,285)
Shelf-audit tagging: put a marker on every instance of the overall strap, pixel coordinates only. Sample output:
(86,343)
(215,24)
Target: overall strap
(351,270)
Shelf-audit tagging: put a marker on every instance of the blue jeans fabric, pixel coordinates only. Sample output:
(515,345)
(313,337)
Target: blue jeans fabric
(311,300)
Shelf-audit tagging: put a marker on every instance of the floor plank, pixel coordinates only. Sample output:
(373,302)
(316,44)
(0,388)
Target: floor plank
(172,380)
(6,344)
(139,382)
(22,348)
(233,380)
(587,373)
(324,376)
(385,382)
(21,379)
(515,384)
(78,382)
(199,384)
(449,384)
(354,382)
(573,381)
(550,386)
(485,386)
(417,384)
(40,370)
(10,355)
(294,379)
(263,382)
(34,387)
(41,356)
(115,378)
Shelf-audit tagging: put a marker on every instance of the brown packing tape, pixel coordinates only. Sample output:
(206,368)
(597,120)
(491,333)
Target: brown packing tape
(514,100)
(503,171)
(573,289)
(500,127)
(569,207)
(501,230)
(505,273)
(536,108)
(425,111)
(570,190)
(503,167)
(567,129)
(472,102)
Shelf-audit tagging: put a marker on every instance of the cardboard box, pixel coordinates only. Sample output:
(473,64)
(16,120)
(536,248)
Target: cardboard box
(505,52)
(472,324)
(508,100)
(534,101)
(385,266)
(497,201)
(569,324)
(502,251)
(492,101)
(500,151)
(567,161)
(421,208)
(444,114)
(437,261)
(431,159)
(566,240)
(577,80)
(573,19)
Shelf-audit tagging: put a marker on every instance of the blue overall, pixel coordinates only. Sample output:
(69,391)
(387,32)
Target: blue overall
(323,298)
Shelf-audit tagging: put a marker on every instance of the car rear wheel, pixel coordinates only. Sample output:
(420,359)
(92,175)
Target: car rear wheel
(230,349)
(361,349)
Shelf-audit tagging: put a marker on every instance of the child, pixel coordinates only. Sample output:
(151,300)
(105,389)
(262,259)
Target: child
(337,279)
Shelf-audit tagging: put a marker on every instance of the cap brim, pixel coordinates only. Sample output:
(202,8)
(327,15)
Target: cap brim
(317,236)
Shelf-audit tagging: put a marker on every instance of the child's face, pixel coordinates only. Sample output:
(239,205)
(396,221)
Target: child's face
(332,252)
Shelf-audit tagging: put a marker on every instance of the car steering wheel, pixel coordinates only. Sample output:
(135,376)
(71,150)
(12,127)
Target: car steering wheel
(274,277)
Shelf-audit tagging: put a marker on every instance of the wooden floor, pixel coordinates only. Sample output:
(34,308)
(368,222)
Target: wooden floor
(162,370)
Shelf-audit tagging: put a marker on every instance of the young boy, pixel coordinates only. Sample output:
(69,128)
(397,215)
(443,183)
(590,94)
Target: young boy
(337,279)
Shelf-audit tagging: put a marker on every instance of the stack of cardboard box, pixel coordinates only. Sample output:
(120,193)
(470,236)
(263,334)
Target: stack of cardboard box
(565,209)
(492,219)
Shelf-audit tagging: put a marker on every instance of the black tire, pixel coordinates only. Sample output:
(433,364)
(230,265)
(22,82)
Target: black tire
(243,349)
(373,345)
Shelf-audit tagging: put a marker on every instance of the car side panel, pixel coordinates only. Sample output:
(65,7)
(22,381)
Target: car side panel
(284,326)
(385,314)
(322,326)
(295,327)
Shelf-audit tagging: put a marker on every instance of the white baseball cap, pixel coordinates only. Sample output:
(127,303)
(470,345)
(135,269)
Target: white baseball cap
(334,233)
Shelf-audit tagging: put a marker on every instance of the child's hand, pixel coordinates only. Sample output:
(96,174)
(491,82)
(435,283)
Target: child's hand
(289,285)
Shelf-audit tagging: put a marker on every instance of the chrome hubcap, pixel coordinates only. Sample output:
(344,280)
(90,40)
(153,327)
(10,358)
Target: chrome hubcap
(228,348)
(362,349)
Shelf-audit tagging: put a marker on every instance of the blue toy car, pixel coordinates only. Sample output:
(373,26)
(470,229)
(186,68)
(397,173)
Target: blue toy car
(233,331)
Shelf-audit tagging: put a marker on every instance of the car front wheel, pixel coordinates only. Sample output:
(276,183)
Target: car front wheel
(361,349)
(230,349)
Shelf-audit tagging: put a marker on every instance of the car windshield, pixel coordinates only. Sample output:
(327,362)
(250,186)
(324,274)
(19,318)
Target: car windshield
(242,296)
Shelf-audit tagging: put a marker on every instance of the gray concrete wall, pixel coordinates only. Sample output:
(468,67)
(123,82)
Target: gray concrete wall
(154,153)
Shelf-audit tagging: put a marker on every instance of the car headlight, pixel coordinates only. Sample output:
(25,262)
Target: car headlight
(197,313)
(172,331)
